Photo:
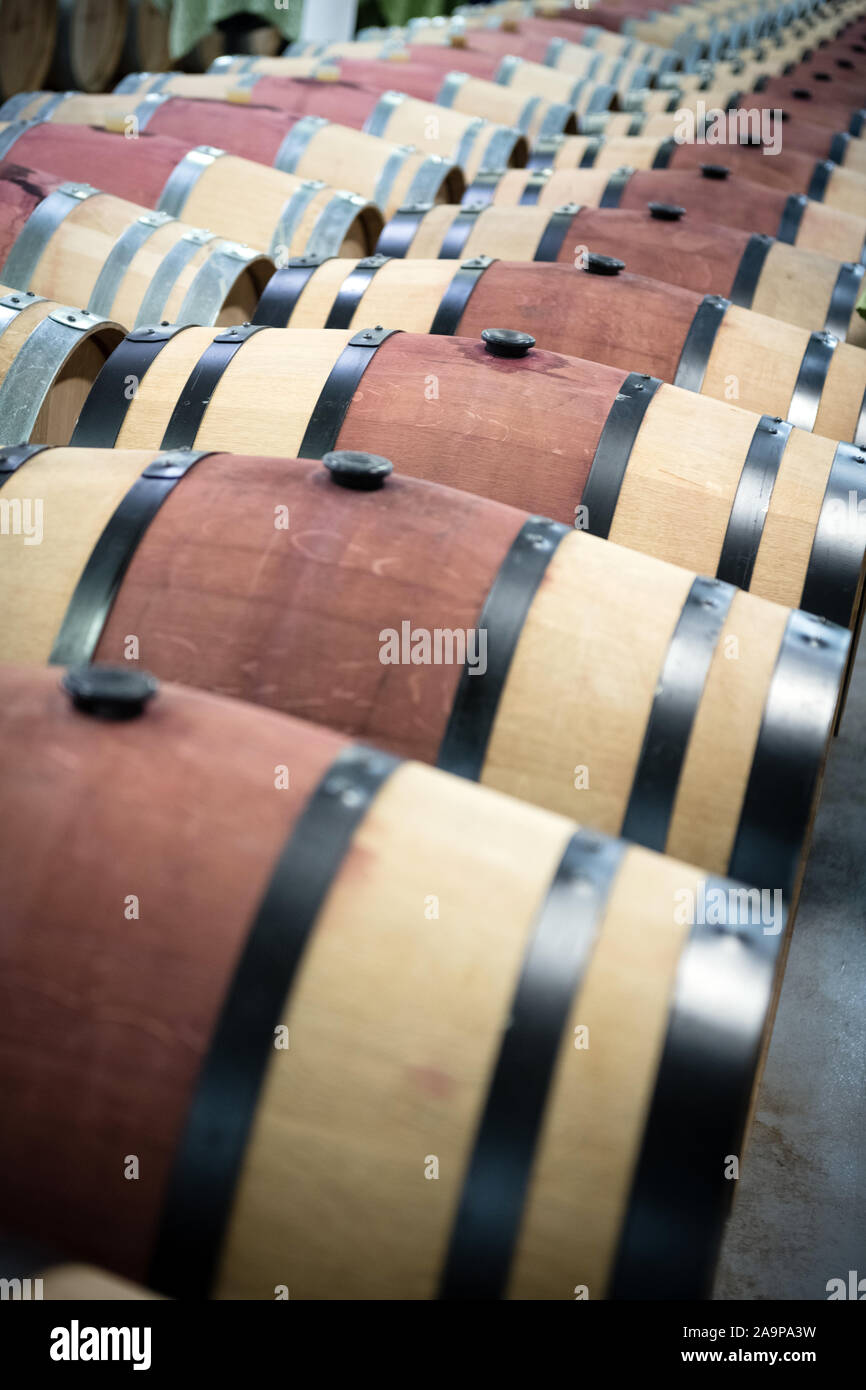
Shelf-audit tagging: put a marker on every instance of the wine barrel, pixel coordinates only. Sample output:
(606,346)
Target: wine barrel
(799,287)
(710,193)
(50,356)
(708,344)
(469,141)
(206,186)
(461,91)
(311,147)
(665,242)
(520,75)
(659,491)
(28,32)
(267,974)
(90,39)
(70,241)
(146,45)
(791,171)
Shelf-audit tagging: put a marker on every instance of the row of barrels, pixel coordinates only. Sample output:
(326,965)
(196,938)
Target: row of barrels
(730,301)
(86,43)
(288,512)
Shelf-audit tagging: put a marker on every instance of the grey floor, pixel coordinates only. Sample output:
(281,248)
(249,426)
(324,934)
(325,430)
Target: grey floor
(800,1215)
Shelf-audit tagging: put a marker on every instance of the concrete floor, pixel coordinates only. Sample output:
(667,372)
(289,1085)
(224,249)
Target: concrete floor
(800,1214)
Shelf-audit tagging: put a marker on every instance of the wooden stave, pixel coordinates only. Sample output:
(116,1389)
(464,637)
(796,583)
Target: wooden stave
(23,190)
(64,74)
(77,1197)
(238,198)
(58,385)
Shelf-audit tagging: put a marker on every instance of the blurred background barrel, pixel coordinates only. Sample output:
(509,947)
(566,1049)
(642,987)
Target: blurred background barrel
(145,45)
(90,40)
(28,32)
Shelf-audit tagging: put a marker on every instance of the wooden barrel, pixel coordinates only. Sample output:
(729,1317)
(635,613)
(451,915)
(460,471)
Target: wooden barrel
(533,116)
(238,198)
(799,287)
(90,39)
(462,91)
(791,171)
(801,99)
(539,79)
(145,46)
(816,140)
(708,344)
(50,356)
(710,193)
(28,32)
(350,1085)
(69,241)
(310,147)
(555,410)
(469,141)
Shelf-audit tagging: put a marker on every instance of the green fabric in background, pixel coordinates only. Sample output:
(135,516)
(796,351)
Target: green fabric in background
(192,19)
(400,11)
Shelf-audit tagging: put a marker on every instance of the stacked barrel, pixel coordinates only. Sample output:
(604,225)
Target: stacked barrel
(432,485)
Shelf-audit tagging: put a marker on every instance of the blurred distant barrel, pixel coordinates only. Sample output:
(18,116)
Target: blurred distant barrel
(145,46)
(90,40)
(28,32)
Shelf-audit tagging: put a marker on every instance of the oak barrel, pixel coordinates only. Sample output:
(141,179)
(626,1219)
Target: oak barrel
(309,147)
(283,213)
(467,140)
(770,277)
(432,403)
(50,356)
(145,46)
(70,241)
(258,961)
(790,171)
(28,31)
(196,571)
(711,193)
(708,344)
(90,39)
